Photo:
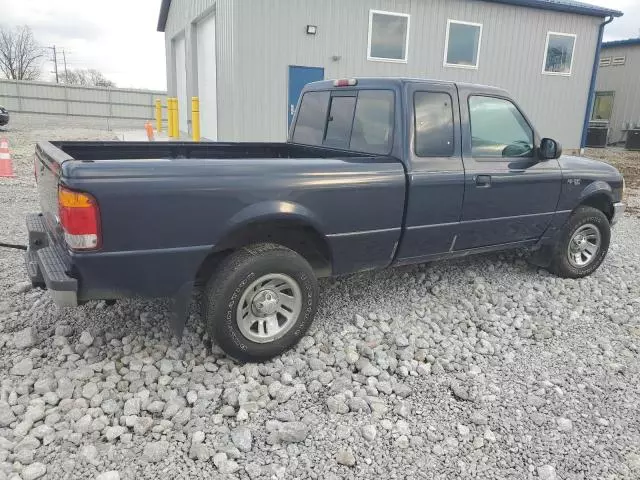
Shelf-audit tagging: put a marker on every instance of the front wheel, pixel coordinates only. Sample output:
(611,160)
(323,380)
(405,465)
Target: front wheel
(260,301)
(582,244)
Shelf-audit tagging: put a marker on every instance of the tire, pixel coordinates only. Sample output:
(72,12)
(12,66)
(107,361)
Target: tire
(288,276)
(584,220)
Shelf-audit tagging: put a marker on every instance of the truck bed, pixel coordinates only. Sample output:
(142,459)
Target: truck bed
(116,150)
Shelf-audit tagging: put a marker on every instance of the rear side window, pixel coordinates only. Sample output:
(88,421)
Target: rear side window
(434,124)
(339,122)
(363,123)
(373,123)
(311,117)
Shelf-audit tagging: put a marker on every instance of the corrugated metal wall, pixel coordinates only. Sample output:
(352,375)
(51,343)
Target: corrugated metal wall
(624,80)
(59,99)
(183,18)
(264,37)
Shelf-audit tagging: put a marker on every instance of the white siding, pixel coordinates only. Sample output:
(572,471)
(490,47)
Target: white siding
(624,81)
(259,39)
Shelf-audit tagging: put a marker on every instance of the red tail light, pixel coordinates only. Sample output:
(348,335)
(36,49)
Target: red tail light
(80,219)
(345,82)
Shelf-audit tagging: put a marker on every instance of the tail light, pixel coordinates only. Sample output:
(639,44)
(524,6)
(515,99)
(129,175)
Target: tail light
(80,219)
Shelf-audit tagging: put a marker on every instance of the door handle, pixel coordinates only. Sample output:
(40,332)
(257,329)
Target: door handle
(483,181)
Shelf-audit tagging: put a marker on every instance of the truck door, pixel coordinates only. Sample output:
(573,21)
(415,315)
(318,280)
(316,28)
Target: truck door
(510,194)
(435,172)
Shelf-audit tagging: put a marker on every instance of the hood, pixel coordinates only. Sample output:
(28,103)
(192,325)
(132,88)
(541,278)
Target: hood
(571,164)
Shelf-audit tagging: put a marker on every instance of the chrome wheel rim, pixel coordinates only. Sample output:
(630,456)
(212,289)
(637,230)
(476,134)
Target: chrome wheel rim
(269,308)
(584,245)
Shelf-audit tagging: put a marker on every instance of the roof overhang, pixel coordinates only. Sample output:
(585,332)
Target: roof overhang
(621,43)
(164,13)
(566,6)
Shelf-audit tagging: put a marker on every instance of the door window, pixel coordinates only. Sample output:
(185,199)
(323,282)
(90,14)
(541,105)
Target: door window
(498,129)
(433,117)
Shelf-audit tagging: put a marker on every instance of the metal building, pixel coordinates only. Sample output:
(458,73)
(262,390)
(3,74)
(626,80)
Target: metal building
(248,59)
(618,88)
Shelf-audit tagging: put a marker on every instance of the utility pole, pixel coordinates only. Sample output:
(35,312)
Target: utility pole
(55,63)
(64,58)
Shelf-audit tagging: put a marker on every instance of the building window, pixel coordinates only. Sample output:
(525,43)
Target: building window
(559,50)
(602,106)
(498,129)
(462,45)
(388,36)
(433,117)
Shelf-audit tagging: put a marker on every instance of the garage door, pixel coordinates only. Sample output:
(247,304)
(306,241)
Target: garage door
(206,46)
(181,81)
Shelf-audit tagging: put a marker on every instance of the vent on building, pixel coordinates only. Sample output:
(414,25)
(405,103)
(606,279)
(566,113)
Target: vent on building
(605,61)
(618,60)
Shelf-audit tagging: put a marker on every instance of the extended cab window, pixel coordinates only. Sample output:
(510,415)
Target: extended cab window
(434,124)
(498,129)
(362,121)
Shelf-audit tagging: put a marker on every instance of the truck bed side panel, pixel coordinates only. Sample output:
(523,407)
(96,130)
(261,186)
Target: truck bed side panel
(161,218)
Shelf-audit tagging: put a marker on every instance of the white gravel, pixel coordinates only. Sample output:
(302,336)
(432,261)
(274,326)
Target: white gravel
(476,368)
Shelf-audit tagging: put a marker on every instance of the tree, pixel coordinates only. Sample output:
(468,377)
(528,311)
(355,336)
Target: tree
(20,54)
(87,77)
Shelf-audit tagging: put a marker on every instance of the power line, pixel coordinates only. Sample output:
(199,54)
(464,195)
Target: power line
(55,62)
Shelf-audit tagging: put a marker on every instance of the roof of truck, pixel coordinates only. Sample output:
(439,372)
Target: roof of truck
(377,82)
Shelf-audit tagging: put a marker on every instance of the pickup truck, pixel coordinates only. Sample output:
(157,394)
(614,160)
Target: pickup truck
(376,173)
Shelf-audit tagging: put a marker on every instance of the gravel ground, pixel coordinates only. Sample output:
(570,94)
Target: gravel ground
(477,368)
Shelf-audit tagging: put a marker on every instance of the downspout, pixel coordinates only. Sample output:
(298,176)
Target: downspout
(592,86)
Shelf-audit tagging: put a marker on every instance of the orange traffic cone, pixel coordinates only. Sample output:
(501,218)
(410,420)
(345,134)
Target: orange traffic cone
(6,167)
(149,128)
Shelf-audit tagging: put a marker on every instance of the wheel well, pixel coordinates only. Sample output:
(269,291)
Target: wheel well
(299,237)
(600,201)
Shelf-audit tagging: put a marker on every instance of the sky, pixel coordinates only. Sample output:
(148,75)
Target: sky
(119,37)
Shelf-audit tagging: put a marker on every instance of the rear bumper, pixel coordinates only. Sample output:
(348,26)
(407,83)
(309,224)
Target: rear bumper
(618,211)
(46,266)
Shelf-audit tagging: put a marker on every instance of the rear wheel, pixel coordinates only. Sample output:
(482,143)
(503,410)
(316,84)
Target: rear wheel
(582,244)
(260,301)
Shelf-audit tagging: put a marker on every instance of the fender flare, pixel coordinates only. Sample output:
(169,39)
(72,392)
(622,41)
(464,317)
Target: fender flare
(596,188)
(273,210)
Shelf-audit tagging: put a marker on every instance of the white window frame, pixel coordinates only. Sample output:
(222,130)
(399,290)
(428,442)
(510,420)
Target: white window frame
(546,51)
(406,46)
(446,45)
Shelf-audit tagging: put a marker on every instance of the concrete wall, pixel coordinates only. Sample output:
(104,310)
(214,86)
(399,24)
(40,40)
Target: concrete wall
(624,80)
(259,39)
(76,101)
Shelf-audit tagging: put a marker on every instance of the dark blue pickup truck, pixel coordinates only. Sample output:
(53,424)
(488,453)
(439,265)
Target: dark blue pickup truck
(376,173)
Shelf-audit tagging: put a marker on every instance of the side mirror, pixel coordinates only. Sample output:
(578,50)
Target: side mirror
(549,149)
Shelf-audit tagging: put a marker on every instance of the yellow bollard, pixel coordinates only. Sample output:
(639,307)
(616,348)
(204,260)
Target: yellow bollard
(158,115)
(170,117)
(195,118)
(176,121)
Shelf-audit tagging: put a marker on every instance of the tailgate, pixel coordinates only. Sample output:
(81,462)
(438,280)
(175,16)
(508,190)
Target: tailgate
(48,163)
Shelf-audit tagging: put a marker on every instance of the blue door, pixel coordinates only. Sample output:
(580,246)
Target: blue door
(298,78)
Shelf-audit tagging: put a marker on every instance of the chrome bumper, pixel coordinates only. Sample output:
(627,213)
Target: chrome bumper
(618,211)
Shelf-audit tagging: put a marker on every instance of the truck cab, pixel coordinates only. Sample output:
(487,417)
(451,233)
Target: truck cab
(479,175)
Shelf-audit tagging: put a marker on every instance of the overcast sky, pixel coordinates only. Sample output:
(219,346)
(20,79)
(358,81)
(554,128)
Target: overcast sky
(119,37)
